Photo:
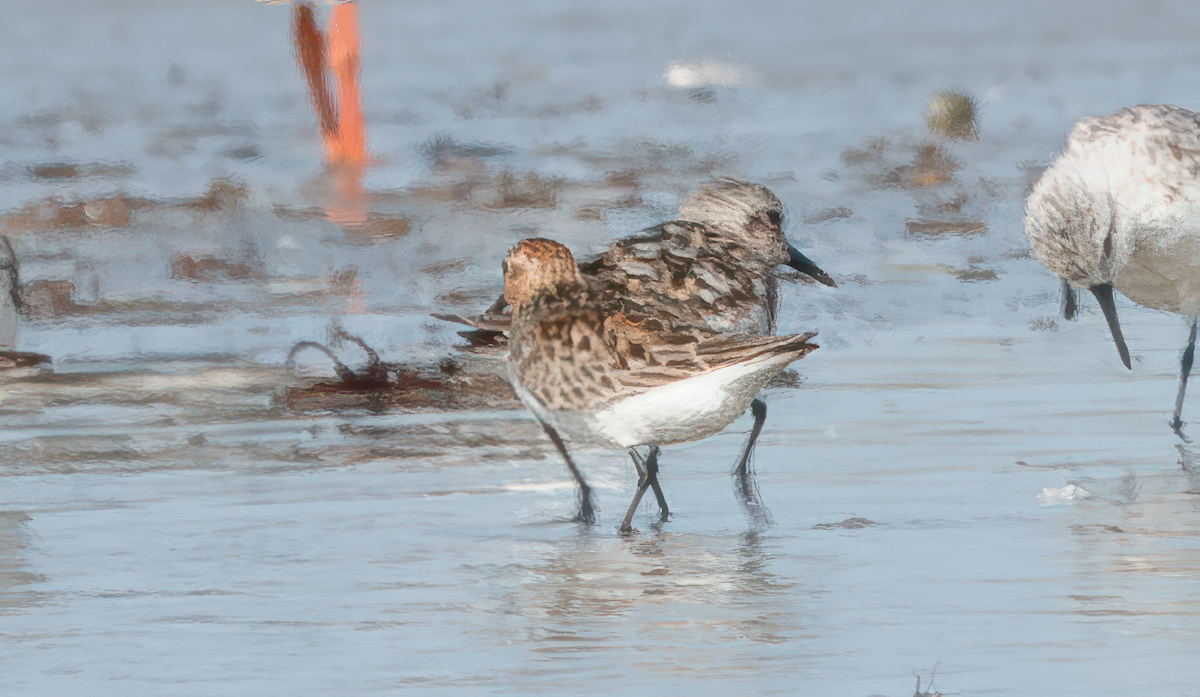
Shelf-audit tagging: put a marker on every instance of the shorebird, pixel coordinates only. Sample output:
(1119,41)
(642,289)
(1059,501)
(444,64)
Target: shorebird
(13,362)
(711,270)
(10,300)
(570,364)
(1120,208)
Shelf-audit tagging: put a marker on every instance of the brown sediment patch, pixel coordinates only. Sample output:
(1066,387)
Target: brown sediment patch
(447,386)
(945,217)
(52,213)
(377,229)
(45,298)
(81,170)
(623,179)
(211,269)
(975,274)
(117,210)
(870,153)
(344,282)
(945,227)
(298,215)
(596,210)
(424,389)
(931,166)
(446,267)
(22,362)
(222,194)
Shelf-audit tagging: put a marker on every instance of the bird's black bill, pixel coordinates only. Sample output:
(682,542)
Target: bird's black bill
(1070,306)
(1104,294)
(806,266)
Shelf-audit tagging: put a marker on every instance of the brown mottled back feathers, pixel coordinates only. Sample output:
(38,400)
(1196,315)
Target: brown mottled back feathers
(558,352)
(686,274)
(570,354)
(676,283)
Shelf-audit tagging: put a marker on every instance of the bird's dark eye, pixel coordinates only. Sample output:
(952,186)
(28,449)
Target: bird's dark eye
(504,266)
(775,217)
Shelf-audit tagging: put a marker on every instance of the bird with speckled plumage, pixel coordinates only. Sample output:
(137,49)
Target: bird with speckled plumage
(569,364)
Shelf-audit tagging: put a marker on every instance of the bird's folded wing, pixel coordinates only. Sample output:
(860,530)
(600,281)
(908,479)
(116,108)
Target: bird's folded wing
(717,352)
(721,351)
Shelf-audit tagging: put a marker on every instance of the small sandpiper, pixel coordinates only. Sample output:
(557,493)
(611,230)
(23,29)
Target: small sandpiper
(13,362)
(570,364)
(1120,208)
(710,271)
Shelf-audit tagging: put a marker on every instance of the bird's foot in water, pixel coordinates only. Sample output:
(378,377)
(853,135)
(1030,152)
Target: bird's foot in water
(586,513)
(1177,425)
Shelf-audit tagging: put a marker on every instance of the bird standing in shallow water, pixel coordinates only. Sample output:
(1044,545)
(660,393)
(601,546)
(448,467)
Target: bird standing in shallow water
(1120,208)
(13,362)
(710,271)
(569,364)
(10,300)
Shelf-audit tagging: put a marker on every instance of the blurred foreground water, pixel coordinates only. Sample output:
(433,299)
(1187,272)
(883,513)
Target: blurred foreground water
(959,479)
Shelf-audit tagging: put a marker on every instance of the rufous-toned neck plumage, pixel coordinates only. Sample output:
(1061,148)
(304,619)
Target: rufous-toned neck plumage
(538,267)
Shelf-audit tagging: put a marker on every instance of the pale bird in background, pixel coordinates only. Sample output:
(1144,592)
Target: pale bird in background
(1120,208)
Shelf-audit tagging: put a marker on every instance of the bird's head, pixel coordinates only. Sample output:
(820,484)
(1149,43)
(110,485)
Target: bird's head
(538,267)
(1073,226)
(749,216)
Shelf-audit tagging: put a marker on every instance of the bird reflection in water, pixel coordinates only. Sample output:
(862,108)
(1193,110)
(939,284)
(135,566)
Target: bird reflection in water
(584,593)
(15,577)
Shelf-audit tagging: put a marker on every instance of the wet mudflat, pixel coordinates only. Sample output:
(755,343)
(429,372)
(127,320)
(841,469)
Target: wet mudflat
(959,478)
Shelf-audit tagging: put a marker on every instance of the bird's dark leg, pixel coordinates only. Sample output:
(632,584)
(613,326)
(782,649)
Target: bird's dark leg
(1185,369)
(742,469)
(647,477)
(627,522)
(1070,305)
(587,512)
(664,512)
(743,477)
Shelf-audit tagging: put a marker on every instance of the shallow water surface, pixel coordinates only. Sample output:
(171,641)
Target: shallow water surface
(963,484)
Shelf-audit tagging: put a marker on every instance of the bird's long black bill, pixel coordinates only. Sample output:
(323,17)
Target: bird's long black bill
(806,266)
(1104,294)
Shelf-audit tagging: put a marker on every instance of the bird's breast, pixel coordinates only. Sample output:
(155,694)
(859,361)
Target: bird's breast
(1163,271)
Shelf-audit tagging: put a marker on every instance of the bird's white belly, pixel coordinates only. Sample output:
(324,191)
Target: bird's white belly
(1164,275)
(689,409)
